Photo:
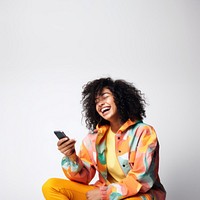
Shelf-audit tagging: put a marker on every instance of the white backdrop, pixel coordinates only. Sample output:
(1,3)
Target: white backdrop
(49,49)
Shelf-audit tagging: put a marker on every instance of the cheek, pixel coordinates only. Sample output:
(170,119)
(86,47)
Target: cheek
(115,108)
(96,108)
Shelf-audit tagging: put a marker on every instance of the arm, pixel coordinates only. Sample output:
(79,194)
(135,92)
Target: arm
(144,162)
(79,168)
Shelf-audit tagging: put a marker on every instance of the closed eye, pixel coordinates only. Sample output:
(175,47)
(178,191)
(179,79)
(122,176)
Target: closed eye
(103,96)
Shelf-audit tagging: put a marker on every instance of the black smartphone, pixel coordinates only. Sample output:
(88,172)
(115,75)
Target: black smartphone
(60,135)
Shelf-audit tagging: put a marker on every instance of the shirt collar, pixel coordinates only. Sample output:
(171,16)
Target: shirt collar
(104,128)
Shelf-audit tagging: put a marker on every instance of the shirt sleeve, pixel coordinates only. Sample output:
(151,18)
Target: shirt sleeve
(79,168)
(144,163)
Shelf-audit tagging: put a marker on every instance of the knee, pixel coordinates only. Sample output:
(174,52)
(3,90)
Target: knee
(48,186)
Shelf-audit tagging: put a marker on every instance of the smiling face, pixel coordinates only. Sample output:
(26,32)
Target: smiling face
(105,106)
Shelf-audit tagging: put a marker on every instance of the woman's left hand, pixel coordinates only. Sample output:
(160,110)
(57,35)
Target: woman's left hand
(94,194)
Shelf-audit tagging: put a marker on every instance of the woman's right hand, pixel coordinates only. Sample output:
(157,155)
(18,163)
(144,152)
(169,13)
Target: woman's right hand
(66,146)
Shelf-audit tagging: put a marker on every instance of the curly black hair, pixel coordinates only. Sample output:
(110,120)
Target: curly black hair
(128,99)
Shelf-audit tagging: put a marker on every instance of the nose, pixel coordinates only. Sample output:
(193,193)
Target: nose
(100,102)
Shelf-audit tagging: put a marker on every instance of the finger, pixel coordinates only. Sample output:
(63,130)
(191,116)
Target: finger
(67,144)
(62,141)
(69,152)
(66,148)
(88,196)
(71,141)
(95,131)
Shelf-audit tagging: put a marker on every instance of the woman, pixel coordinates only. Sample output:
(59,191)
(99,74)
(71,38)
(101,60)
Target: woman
(122,149)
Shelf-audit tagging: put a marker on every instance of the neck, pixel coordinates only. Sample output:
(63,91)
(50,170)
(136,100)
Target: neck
(115,126)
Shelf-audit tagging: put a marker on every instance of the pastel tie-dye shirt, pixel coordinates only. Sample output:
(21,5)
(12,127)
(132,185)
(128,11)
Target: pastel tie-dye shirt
(137,151)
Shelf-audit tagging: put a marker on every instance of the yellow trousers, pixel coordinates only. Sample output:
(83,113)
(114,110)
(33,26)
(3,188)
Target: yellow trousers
(62,189)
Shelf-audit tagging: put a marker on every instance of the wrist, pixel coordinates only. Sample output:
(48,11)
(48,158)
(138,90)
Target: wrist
(73,156)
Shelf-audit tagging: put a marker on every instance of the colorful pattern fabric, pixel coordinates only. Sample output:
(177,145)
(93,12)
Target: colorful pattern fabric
(115,173)
(137,151)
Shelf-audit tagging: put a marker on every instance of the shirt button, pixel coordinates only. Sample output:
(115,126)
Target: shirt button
(124,165)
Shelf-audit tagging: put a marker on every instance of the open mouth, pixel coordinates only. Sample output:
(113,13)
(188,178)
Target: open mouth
(105,109)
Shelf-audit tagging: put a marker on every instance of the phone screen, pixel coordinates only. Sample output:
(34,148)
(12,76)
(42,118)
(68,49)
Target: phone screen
(60,134)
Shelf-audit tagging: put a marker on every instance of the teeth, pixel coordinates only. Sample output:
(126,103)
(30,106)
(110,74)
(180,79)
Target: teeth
(104,109)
